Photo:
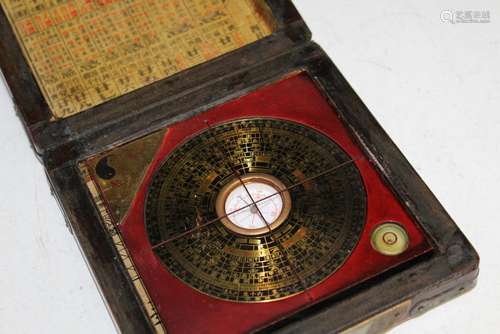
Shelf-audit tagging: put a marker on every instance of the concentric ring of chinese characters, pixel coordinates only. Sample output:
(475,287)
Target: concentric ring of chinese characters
(323,225)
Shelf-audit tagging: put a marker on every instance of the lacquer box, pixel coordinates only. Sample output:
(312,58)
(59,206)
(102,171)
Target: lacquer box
(219,173)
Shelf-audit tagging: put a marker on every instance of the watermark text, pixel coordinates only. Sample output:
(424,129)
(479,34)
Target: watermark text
(465,16)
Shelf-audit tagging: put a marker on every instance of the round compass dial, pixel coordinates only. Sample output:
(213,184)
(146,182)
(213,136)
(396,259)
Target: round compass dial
(255,210)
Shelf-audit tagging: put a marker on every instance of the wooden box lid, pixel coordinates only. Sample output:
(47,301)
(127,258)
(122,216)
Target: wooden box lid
(74,66)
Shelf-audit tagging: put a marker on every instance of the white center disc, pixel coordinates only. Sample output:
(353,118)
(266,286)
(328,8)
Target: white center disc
(250,217)
(260,208)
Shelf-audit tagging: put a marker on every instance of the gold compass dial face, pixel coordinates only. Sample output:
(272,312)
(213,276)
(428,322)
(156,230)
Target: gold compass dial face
(196,211)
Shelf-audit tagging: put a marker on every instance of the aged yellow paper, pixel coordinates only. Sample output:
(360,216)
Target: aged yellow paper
(86,52)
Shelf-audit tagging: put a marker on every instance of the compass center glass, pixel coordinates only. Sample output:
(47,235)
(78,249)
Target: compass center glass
(265,202)
(253,204)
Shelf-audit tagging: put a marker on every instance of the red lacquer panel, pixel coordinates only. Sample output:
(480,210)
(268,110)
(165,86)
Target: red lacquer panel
(298,99)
